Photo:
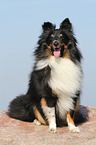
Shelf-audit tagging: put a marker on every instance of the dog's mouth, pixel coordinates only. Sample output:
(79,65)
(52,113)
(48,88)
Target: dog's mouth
(57,48)
(56,51)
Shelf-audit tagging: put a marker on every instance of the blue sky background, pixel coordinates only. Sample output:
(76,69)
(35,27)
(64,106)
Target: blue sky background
(20,27)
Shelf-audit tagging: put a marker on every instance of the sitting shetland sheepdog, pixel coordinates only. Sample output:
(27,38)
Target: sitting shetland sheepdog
(55,82)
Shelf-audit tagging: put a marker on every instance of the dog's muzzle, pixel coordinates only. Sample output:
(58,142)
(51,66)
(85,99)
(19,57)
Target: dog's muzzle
(56,48)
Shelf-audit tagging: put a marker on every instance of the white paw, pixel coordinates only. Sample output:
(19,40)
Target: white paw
(36,122)
(52,128)
(73,128)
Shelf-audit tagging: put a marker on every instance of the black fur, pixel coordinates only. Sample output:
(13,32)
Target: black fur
(22,107)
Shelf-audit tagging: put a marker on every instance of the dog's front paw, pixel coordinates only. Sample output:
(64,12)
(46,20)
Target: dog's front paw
(36,122)
(73,128)
(52,128)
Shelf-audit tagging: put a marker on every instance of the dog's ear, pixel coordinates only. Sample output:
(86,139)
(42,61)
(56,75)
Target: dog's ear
(47,26)
(66,25)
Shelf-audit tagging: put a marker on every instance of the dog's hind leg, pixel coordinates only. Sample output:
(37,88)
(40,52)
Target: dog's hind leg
(21,108)
(71,124)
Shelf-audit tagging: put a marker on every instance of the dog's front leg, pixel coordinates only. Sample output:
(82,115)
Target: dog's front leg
(50,116)
(48,105)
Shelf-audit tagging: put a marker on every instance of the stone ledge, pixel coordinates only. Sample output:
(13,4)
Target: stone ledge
(15,132)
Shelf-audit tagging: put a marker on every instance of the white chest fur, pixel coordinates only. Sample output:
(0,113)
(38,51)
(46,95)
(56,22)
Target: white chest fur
(65,76)
(65,80)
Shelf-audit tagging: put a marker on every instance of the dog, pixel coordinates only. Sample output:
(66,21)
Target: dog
(55,82)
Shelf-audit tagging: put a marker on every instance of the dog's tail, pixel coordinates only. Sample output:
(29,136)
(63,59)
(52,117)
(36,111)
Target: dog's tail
(21,108)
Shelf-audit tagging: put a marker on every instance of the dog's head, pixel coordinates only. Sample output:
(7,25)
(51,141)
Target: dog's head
(59,42)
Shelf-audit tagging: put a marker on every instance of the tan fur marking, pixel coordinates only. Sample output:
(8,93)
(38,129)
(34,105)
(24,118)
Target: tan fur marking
(53,92)
(63,45)
(70,119)
(52,35)
(66,54)
(38,116)
(48,51)
(43,102)
(77,105)
(66,51)
(49,47)
(61,35)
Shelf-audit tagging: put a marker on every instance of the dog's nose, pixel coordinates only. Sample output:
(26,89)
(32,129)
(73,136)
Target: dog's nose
(56,43)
